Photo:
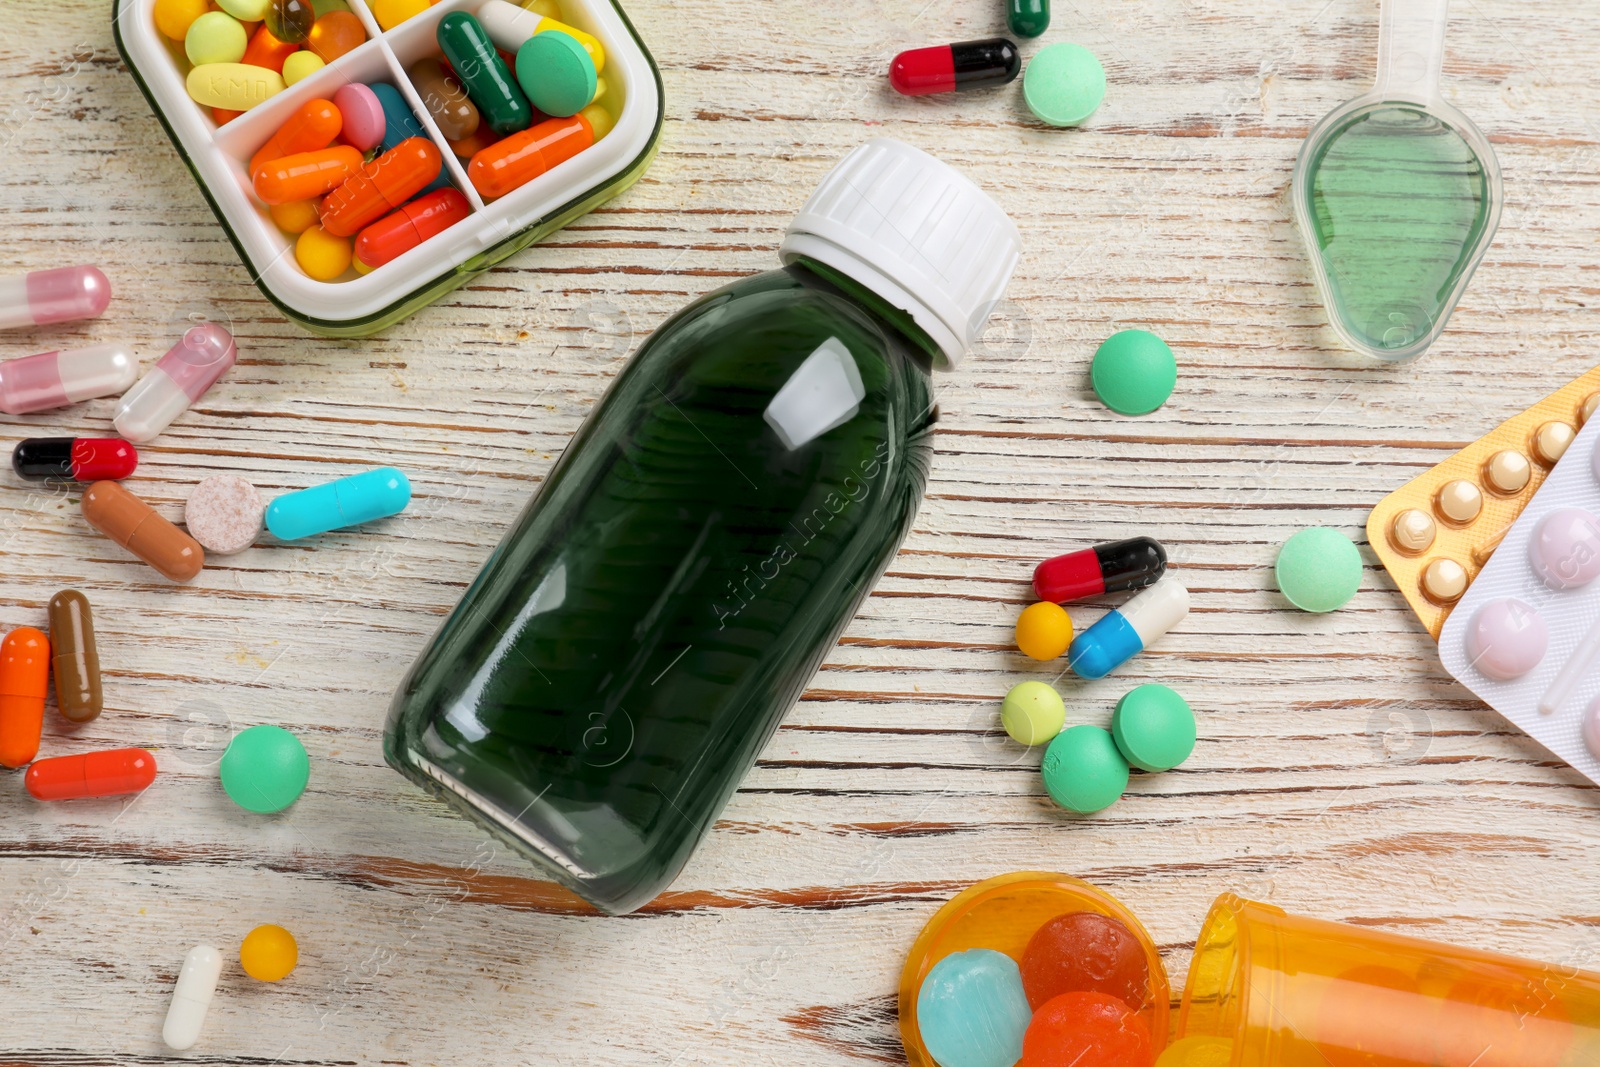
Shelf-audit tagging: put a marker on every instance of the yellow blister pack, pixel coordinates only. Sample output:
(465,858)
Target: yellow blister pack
(1435,533)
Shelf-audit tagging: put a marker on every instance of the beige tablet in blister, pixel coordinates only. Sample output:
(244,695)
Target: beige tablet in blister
(1435,533)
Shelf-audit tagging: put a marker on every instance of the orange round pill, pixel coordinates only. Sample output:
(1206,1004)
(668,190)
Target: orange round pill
(1044,630)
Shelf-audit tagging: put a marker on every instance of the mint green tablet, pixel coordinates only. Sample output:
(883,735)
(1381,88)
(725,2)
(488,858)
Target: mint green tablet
(1063,84)
(1319,569)
(1134,372)
(1154,727)
(556,73)
(265,769)
(1083,771)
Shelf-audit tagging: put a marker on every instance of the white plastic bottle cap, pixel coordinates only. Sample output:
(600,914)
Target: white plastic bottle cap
(916,232)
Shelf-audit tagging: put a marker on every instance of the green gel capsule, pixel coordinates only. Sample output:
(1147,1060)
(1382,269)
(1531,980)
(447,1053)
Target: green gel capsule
(1028,18)
(484,74)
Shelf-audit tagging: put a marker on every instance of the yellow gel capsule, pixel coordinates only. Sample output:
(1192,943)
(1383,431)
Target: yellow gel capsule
(174,17)
(294,216)
(235,86)
(301,65)
(268,953)
(391,13)
(600,120)
(1044,630)
(322,255)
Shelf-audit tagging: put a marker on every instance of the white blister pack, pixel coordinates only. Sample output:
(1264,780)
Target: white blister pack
(1526,637)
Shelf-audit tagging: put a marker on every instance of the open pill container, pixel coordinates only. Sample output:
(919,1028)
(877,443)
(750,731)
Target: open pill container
(356,305)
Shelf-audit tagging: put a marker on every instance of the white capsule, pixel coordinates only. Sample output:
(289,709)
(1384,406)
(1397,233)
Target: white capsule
(178,379)
(191,997)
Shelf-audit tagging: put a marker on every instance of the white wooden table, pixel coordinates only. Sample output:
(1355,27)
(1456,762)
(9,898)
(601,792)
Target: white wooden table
(1339,772)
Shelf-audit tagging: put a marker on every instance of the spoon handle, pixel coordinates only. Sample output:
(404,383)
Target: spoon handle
(1411,49)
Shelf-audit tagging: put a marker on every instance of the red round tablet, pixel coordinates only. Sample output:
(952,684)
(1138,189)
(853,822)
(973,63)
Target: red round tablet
(1085,952)
(1080,1029)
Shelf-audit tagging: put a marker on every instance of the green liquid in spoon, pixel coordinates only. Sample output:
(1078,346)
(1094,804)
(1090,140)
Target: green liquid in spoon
(1399,204)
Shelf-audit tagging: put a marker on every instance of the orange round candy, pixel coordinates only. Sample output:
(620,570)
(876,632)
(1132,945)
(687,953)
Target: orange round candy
(1078,1029)
(334,34)
(1085,952)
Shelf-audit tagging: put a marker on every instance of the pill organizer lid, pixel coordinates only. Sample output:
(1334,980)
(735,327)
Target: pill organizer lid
(916,232)
(202,355)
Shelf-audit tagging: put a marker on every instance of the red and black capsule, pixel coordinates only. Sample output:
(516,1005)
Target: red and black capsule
(1109,568)
(76,459)
(945,68)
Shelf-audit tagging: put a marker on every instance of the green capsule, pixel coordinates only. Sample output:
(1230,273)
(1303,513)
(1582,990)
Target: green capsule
(484,74)
(1028,18)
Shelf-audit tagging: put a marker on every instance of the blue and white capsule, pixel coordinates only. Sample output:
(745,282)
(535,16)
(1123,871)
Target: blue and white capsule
(374,494)
(1125,632)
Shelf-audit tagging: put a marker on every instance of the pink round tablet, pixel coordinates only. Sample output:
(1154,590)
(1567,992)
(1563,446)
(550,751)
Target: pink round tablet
(1591,728)
(1564,550)
(1506,639)
(224,514)
(363,117)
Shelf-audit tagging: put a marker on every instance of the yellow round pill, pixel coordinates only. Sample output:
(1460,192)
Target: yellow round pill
(321,254)
(294,216)
(1044,630)
(391,13)
(600,120)
(301,65)
(174,17)
(268,953)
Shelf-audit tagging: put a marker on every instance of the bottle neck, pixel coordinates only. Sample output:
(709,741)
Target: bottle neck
(896,317)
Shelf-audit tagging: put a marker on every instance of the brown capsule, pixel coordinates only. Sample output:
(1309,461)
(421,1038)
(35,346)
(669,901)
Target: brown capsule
(75,658)
(446,101)
(134,525)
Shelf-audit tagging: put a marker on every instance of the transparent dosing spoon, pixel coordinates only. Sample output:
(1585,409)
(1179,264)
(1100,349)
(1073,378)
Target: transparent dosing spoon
(1397,194)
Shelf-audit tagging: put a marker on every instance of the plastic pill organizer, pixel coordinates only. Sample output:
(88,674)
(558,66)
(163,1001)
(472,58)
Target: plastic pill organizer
(1437,531)
(360,305)
(1526,637)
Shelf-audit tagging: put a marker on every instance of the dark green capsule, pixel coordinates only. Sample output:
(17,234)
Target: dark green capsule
(484,74)
(1028,18)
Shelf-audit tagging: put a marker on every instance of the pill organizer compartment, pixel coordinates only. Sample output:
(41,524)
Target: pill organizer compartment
(358,305)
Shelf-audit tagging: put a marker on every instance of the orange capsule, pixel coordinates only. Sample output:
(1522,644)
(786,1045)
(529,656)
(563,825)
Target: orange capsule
(265,50)
(222,116)
(395,234)
(381,186)
(93,774)
(134,525)
(477,141)
(334,34)
(522,157)
(313,125)
(24,679)
(306,175)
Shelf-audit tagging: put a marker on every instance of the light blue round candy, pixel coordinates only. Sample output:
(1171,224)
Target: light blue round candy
(971,1010)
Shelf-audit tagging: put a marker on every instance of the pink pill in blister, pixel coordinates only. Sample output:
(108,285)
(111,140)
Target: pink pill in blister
(1506,639)
(362,112)
(1591,728)
(1564,550)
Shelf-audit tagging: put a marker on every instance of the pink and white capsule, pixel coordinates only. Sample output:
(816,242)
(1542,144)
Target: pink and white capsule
(56,379)
(58,295)
(178,379)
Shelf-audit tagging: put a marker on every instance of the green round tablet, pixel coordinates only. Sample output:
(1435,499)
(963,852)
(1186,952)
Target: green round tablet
(1063,84)
(1033,713)
(265,769)
(1154,728)
(1133,372)
(1319,569)
(245,10)
(215,37)
(556,73)
(1083,771)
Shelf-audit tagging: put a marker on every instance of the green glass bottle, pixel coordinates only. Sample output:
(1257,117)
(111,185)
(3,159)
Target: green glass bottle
(638,635)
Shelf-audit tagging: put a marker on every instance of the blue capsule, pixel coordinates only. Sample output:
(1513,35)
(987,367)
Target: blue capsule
(373,494)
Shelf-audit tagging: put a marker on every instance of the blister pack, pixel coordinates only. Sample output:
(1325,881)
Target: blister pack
(1435,533)
(1526,636)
